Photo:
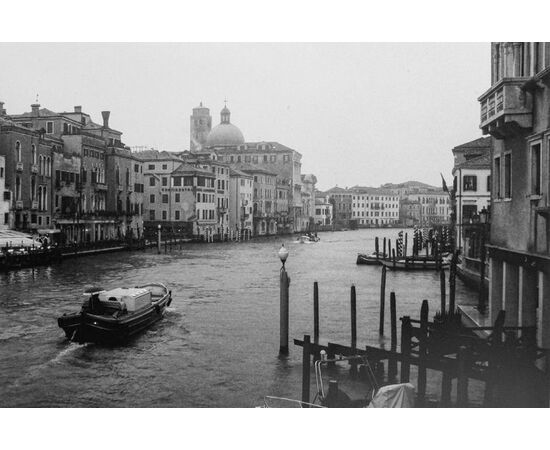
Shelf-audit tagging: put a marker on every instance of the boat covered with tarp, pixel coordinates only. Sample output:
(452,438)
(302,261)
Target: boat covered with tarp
(115,315)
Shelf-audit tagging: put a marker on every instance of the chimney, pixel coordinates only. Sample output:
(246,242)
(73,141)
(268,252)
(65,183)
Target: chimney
(105,115)
(78,109)
(35,109)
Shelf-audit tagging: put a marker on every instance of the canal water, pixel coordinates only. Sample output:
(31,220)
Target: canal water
(218,343)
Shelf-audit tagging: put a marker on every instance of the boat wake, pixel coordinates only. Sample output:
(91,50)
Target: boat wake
(36,371)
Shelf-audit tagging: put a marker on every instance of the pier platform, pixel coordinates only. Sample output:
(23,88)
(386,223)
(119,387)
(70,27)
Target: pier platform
(471,317)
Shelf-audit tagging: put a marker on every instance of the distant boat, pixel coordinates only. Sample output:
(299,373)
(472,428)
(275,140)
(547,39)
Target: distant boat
(113,316)
(306,239)
(370,260)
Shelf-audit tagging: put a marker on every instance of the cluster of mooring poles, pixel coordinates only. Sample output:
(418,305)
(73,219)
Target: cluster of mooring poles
(443,345)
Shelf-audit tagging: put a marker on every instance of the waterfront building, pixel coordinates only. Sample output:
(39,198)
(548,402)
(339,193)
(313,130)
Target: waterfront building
(342,201)
(410,212)
(283,206)
(515,112)
(308,201)
(374,206)
(241,201)
(435,205)
(157,168)
(471,183)
(323,210)
(264,212)
(81,147)
(27,173)
(5,196)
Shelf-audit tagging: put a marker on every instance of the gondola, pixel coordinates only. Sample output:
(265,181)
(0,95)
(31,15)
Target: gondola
(114,316)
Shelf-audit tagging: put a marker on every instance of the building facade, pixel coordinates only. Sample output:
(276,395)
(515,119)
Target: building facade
(323,210)
(5,199)
(342,205)
(515,112)
(471,183)
(374,207)
(241,190)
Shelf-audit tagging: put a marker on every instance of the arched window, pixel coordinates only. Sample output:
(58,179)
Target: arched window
(40,198)
(48,166)
(41,165)
(18,151)
(33,153)
(33,188)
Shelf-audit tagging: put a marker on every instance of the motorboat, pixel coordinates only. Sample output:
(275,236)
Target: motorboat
(115,315)
(373,259)
(308,238)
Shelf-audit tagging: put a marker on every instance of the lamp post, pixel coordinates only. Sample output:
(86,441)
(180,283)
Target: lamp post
(283,286)
(158,238)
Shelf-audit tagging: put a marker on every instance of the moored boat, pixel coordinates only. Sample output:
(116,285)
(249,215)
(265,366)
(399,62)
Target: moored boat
(371,260)
(115,315)
(415,263)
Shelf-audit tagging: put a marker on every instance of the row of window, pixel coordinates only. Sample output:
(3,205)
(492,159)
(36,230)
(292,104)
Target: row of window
(254,158)
(204,214)
(375,214)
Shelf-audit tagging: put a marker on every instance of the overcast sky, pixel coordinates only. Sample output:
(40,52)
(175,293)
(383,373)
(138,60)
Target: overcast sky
(358,113)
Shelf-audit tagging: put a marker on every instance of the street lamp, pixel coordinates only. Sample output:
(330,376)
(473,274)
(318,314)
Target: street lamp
(283,254)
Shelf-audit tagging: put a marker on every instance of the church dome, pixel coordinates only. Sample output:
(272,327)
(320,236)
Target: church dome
(225,134)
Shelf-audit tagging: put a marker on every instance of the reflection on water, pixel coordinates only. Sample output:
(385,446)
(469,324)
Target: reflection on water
(218,343)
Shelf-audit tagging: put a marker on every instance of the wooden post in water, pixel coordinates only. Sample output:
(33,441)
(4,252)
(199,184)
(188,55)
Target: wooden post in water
(384,255)
(393,255)
(353,308)
(392,362)
(376,248)
(422,353)
(406,335)
(462,381)
(405,246)
(158,239)
(315,312)
(306,361)
(442,287)
(452,283)
(382,300)
(284,282)
(389,248)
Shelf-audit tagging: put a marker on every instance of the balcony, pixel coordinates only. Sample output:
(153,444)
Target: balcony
(100,186)
(19,166)
(19,204)
(506,108)
(34,168)
(34,204)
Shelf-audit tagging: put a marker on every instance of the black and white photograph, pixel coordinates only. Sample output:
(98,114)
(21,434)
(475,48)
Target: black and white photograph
(194,224)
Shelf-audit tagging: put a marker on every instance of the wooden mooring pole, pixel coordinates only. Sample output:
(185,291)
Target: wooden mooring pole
(384,255)
(422,353)
(443,294)
(376,246)
(315,312)
(405,246)
(392,362)
(452,283)
(382,300)
(306,363)
(406,336)
(283,286)
(353,308)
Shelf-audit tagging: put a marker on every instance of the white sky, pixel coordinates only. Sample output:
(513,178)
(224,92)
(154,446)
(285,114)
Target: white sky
(359,113)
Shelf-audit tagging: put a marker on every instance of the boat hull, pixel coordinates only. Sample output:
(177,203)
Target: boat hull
(400,264)
(368,260)
(87,327)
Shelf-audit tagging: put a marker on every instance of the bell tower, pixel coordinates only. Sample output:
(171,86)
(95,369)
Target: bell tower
(201,124)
